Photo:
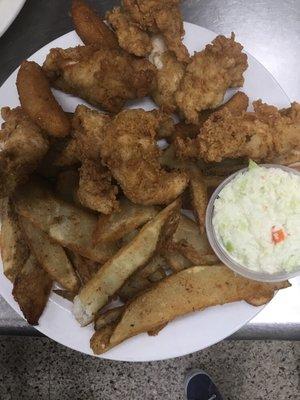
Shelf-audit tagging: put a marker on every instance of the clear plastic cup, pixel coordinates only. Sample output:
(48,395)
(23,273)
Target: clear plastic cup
(223,255)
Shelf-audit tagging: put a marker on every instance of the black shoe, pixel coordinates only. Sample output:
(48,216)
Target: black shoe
(199,386)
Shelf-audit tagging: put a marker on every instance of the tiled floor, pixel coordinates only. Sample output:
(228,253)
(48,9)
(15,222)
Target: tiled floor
(37,368)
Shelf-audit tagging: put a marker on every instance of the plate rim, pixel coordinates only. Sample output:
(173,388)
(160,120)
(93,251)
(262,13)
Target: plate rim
(13,16)
(257,310)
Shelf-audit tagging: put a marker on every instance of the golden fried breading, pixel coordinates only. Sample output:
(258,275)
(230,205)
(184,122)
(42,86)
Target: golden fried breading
(163,17)
(23,146)
(236,104)
(130,36)
(95,188)
(89,129)
(104,77)
(260,135)
(208,75)
(90,27)
(167,81)
(38,101)
(128,148)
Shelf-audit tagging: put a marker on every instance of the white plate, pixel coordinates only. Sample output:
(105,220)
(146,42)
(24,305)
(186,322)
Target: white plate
(186,334)
(9,9)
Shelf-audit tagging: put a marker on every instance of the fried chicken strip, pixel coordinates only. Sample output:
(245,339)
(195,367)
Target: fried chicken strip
(129,150)
(130,36)
(23,146)
(104,77)
(162,17)
(95,188)
(208,75)
(261,135)
(167,81)
(38,101)
(90,27)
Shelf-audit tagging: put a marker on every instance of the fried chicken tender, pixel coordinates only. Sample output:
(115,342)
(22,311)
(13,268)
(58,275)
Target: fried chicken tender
(90,27)
(104,77)
(262,135)
(137,20)
(88,131)
(38,101)
(208,75)
(130,36)
(127,146)
(95,188)
(23,147)
(167,81)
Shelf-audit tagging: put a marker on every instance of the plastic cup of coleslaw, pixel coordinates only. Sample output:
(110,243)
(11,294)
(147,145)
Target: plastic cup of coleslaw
(250,232)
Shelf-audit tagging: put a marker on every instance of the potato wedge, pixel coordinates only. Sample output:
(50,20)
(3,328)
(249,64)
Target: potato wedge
(84,267)
(175,260)
(188,231)
(131,216)
(197,288)
(38,101)
(31,290)
(14,249)
(70,226)
(198,192)
(112,275)
(90,27)
(51,256)
(108,317)
(67,185)
(65,294)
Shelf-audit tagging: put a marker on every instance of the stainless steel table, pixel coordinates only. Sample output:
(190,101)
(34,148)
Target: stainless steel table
(269,30)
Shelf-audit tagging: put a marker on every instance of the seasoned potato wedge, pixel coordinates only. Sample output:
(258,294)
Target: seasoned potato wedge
(198,193)
(113,227)
(51,256)
(197,288)
(31,290)
(14,249)
(84,267)
(70,226)
(112,275)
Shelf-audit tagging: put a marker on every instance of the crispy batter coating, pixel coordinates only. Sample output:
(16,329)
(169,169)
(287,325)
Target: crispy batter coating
(129,150)
(104,77)
(89,130)
(90,27)
(208,75)
(95,188)
(38,101)
(130,36)
(23,146)
(260,135)
(167,81)
(163,17)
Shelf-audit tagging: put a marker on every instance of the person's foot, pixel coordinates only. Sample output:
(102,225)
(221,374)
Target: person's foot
(198,385)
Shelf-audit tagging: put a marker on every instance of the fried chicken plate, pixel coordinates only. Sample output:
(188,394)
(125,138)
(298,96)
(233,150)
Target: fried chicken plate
(137,20)
(104,77)
(208,75)
(262,135)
